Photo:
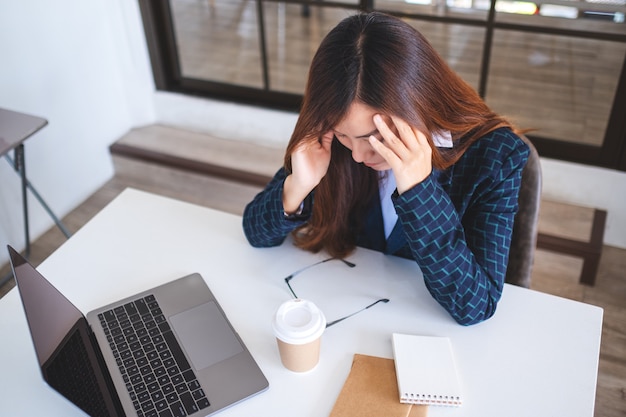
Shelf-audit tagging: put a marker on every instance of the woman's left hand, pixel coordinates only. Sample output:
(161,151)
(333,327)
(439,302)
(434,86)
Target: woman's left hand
(407,152)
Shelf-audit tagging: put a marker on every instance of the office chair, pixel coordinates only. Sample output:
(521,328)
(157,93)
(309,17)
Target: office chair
(524,238)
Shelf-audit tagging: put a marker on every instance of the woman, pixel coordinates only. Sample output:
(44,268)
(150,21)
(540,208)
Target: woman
(392,151)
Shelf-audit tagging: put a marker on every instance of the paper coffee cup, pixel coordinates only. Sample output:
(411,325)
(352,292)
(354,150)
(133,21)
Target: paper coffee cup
(298,326)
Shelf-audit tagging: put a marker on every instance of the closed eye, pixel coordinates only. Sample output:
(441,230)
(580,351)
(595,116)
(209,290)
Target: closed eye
(374,133)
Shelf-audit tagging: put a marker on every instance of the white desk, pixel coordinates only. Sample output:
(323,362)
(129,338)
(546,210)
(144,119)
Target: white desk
(538,356)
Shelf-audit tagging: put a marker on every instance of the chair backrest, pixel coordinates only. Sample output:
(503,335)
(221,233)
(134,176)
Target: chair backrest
(524,239)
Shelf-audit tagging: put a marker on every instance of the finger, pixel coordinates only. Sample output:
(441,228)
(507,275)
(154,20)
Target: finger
(392,141)
(421,137)
(327,139)
(408,134)
(388,135)
(387,154)
(306,142)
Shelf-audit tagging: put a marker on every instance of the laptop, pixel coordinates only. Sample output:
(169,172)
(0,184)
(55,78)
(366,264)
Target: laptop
(166,352)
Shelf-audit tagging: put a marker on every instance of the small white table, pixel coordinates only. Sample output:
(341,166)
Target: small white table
(15,128)
(538,356)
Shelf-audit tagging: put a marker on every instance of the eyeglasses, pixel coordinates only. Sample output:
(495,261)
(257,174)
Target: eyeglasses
(347,263)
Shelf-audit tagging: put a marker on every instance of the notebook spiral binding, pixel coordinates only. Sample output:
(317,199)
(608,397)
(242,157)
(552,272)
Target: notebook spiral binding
(426,399)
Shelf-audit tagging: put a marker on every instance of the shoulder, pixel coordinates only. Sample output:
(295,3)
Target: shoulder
(496,150)
(500,142)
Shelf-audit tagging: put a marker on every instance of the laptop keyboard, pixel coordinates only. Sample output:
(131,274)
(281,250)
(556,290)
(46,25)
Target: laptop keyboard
(70,372)
(158,376)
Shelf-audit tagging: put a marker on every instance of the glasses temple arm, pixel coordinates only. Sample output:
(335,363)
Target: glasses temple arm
(332,323)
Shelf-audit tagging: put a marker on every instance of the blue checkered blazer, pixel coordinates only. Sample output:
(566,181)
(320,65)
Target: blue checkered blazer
(456,224)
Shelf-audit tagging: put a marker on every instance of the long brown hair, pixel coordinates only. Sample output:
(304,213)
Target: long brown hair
(385,63)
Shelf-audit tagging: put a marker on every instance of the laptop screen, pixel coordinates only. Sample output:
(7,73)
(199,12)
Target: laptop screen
(68,359)
(50,315)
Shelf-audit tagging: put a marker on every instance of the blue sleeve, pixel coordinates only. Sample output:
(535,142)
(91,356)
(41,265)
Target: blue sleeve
(464,256)
(264,222)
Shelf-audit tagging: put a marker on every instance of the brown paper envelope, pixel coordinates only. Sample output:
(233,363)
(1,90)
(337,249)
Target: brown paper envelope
(371,390)
(418,410)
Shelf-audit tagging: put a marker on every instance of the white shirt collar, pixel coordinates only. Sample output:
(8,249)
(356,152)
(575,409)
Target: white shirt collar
(442,139)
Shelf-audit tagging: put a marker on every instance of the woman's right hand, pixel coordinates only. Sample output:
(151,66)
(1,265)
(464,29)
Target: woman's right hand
(309,164)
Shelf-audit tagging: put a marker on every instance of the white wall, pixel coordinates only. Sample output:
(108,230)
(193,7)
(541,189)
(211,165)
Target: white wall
(83,66)
(226,120)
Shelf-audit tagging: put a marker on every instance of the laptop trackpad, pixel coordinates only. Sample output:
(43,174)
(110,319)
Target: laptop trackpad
(205,335)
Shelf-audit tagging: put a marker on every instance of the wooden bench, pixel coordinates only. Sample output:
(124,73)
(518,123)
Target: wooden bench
(248,163)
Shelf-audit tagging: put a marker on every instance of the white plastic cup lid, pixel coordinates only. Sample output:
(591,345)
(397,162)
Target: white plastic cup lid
(298,322)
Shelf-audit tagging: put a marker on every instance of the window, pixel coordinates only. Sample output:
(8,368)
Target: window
(555,66)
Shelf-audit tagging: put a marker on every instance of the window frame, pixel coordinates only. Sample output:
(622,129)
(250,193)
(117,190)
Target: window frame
(160,37)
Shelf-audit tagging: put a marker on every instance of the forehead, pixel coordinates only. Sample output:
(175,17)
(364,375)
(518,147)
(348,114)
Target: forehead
(357,121)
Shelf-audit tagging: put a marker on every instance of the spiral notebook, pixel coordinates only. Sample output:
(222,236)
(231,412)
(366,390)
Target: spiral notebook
(426,370)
